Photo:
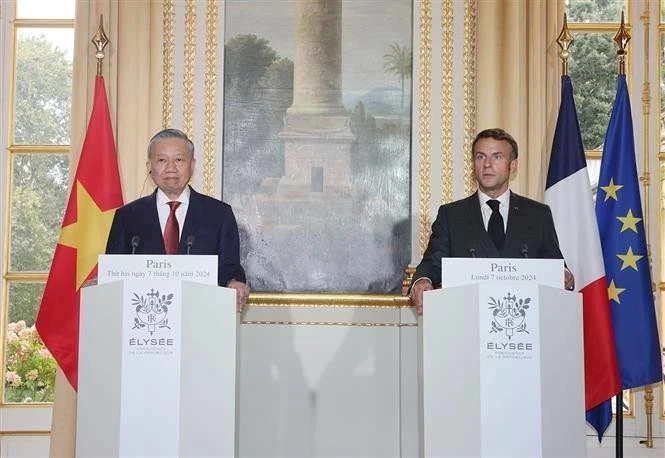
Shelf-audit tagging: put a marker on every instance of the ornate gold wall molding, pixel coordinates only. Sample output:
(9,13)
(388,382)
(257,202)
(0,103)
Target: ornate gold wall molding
(210,100)
(425,121)
(447,49)
(168,56)
(469,93)
(368,310)
(188,68)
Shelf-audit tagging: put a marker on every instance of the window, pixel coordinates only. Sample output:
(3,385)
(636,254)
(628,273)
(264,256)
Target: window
(38,55)
(593,70)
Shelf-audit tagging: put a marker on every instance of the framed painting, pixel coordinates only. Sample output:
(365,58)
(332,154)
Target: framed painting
(317,142)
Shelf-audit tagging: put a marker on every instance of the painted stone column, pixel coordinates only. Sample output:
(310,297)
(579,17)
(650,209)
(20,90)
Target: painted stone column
(317,72)
(317,134)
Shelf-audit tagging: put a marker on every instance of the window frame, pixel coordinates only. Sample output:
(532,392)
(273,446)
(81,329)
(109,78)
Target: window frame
(8,150)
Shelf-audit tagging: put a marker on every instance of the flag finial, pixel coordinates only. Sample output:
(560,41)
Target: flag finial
(100,40)
(621,39)
(565,41)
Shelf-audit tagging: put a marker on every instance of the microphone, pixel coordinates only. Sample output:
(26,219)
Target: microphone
(190,242)
(524,250)
(135,243)
(472,252)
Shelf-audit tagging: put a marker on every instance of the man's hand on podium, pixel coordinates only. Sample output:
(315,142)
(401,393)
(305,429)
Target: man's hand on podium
(568,279)
(242,292)
(90,282)
(416,295)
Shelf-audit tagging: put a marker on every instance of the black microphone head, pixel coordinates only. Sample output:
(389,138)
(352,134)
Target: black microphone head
(135,243)
(524,250)
(190,242)
(472,252)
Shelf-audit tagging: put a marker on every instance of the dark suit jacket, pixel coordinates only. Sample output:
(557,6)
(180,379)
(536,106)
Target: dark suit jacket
(459,232)
(209,220)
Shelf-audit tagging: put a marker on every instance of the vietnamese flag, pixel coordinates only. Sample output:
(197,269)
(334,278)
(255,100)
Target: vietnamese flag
(94,196)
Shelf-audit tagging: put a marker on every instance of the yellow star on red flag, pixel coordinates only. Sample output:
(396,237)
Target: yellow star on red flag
(88,234)
(96,193)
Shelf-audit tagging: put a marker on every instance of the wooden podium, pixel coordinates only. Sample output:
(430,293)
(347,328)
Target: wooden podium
(503,361)
(157,359)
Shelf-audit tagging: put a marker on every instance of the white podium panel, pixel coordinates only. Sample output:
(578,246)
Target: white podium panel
(472,271)
(147,348)
(503,371)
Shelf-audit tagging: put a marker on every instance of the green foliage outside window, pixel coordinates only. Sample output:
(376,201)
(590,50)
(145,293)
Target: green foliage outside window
(593,67)
(39,187)
(43,92)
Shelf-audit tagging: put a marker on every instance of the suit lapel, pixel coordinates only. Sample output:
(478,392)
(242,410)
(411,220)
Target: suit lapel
(153,228)
(191,220)
(487,249)
(515,221)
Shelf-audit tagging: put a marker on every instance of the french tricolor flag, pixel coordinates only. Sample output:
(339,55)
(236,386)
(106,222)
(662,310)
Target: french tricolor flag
(568,193)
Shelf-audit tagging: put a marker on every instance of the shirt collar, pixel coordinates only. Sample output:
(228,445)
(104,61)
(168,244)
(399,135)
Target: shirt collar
(504,198)
(162,199)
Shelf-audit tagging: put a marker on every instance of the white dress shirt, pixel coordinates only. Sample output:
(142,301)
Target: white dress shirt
(163,208)
(486,210)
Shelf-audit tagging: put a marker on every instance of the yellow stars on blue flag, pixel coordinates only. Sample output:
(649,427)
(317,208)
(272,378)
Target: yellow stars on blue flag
(611,190)
(629,259)
(628,222)
(613,291)
(623,241)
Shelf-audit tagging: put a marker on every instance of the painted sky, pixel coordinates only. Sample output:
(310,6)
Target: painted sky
(369,27)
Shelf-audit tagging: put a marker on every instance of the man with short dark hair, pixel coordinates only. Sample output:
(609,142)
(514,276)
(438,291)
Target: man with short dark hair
(494,222)
(175,219)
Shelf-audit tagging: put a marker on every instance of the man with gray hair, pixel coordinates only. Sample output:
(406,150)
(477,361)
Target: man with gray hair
(175,219)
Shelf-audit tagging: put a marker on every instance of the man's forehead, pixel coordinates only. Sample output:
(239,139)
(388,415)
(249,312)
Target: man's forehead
(492,146)
(171,152)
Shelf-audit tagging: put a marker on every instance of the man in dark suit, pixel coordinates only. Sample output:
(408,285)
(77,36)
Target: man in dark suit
(494,222)
(175,219)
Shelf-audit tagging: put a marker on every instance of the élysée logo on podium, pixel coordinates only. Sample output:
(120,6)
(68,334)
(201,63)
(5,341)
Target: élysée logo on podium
(151,332)
(152,310)
(509,314)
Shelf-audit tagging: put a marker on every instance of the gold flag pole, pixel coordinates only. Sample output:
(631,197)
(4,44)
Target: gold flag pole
(646,183)
(100,40)
(565,41)
(621,39)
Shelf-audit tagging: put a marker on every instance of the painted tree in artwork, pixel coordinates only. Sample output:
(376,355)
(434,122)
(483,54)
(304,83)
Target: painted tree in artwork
(398,63)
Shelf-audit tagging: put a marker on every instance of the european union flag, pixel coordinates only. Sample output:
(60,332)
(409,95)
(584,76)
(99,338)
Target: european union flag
(622,237)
